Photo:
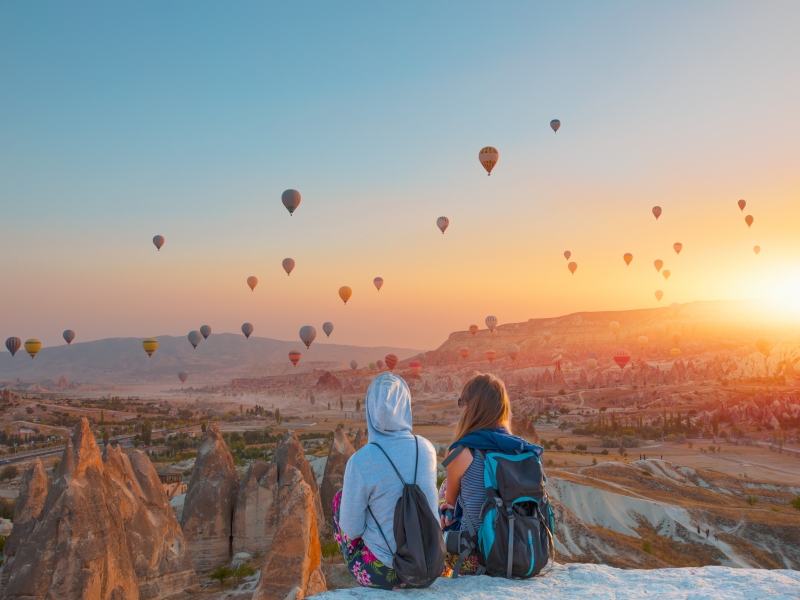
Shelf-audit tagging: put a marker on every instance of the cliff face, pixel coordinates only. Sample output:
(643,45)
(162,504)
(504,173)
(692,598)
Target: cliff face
(290,453)
(255,517)
(333,478)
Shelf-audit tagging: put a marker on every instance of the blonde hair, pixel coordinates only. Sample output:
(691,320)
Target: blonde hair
(486,405)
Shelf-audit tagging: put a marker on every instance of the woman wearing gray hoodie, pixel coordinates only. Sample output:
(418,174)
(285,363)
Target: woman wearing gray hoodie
(371,487)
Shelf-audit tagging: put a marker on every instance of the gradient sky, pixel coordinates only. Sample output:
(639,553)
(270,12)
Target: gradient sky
(120,121)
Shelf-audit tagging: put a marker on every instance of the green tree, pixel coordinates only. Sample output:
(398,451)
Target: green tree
(243,570)
(102,417)
(329,405)
(341,403)
(752,500)
(278,416)
(222,574)
(136,442)
(358,404)
(203,426)
(106,437)
(147,432)
(9,472)
(796,503)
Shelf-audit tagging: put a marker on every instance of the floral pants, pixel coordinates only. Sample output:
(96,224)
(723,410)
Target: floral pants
(362,563)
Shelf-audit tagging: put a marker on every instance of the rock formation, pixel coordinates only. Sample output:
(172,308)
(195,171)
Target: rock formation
(255,514)
(293,565)
(32,494)
(361,439)
(340,452)
(328,383)
(289,453)
(522,427)
(208,509)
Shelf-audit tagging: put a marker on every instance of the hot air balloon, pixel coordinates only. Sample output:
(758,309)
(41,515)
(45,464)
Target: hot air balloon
(442,223)
(666,274)
(378,281)
(414,367)
(473,329)
(756,249)
(749,220)
(567,254)
(678,247)
(183,376)
(491,355)
(676,338)
(614,327)
(158,241)
(13,344)
(68,335)
(327,327)
(762,344)
(573,266)
(512,350)
(372,366)
(675,351)
(642,339)
(150,345)
(593,354)
(344,293)
(288,265)
(307,335)
(354,364)
(379,363)
(676,308)
(32,346)
(621,357)
(252,281)
(421,356)
(658,264)
(659,295)
(554,125)
(195,337)
(741,204)
(294,357)
(656,212)
(627,257)
(591,363)
(488,157)
(206,331)
(491,322)
(464,352)
(391,361)
(247,329)
(291,200)
(556,358)
(547,335)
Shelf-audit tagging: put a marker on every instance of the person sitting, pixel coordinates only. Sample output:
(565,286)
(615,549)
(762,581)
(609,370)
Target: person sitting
(363,512)
(484,425)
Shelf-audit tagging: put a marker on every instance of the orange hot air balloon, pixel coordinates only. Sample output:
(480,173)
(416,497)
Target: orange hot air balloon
(294,357)
(627,257)
(749,220)
(656,212)
(666,274)
(621,357)
(512,351)
(573,266)
(491,355)
(345,293)
(741,204)
(676,338)
(391,361)
(473,329)
(567,254)
(414,367)
(659,295)
(547,335)
(678,247)
(488,157)
(642,339)
(675,351)
(756,249)
(464,352)
(252,281)
(658,264)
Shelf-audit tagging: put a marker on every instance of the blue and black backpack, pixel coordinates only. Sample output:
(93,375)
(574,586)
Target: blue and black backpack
(515,539)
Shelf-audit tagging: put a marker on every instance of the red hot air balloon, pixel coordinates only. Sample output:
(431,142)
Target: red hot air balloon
(567,254)
(621,357)
(379,364)
(678,247)
(627,257)
(294,357)
(491,355)
(741,204)
(473,329)
(656,212)
(464,352)
(391,361)
(414,367)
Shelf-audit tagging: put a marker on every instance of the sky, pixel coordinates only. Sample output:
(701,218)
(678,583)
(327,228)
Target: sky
(121,121)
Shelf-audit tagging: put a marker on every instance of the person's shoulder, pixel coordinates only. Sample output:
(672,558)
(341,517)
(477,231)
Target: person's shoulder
(426,445)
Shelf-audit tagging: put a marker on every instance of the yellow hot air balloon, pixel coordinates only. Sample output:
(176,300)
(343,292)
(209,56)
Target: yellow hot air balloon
(150,345)
(666,274)
(32,347)
(675,351)
(627,257)
(591,363)
(252,281)
(614,327)
(345,293)
(658,264)
(488,157)
(659,295)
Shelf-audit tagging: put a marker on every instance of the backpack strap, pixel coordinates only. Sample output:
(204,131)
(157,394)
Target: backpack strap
(452,456)
(395,468)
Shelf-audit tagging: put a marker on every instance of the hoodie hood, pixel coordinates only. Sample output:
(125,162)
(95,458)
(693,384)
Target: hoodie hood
(388,408)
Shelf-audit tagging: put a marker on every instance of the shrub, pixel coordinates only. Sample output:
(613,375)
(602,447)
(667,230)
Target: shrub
(604,452)
(243,570)
(647,473)
(222,574)
(594,461)
(329,548)
(752,500)
(796,503)
(9,472)
(647,547)
(580,447)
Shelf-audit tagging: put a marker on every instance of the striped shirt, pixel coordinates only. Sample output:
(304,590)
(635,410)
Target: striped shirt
(473,491)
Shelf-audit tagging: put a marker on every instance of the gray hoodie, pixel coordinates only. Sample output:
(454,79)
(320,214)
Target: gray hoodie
(369,479)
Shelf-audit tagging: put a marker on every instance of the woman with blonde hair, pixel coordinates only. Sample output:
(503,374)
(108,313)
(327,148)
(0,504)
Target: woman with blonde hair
(484,426)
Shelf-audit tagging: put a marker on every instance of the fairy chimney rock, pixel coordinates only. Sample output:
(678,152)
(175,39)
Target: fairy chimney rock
(210,498)
(290,453)
(340,452)
(255,517)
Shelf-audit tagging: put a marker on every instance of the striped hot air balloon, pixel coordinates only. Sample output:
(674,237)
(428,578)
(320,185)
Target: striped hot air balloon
(443,223)
(32,347)
(391,361)
(13,344)
(294,357)
(491,322)
(473,329)
(414,367)
(491,355)
(150,345)
(464,352)
(488,157)
(656,212)
(621,357)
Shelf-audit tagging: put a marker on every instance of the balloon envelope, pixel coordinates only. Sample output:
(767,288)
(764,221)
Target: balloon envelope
(512,351)
(473,329)
(344,293)
(372,366)
(741,204)
(464,352)
(353,364)
(675,351)
(488,157)
(414,367)
(150,345)
(555,124)
(556,358)
(288,265)
(749,220)
(656,212)
(678,247)
(442,223)
(183,376)
(666,274)
(32,346)
(13,344)
(252,281)
(659,295)
(756,249)
(627,257)
(294,357)
(307,335)
(378,281)
(247,329)
(573,266)
(658,263)
(379,363)
(491,322)
(491,355)
(69,335)
(158,241)
(206,331)
(327,327)
(195,337)
(291,200)
(567,254)
(614,327)
(591,363)
(642,339)
(391,361)
(621,357)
